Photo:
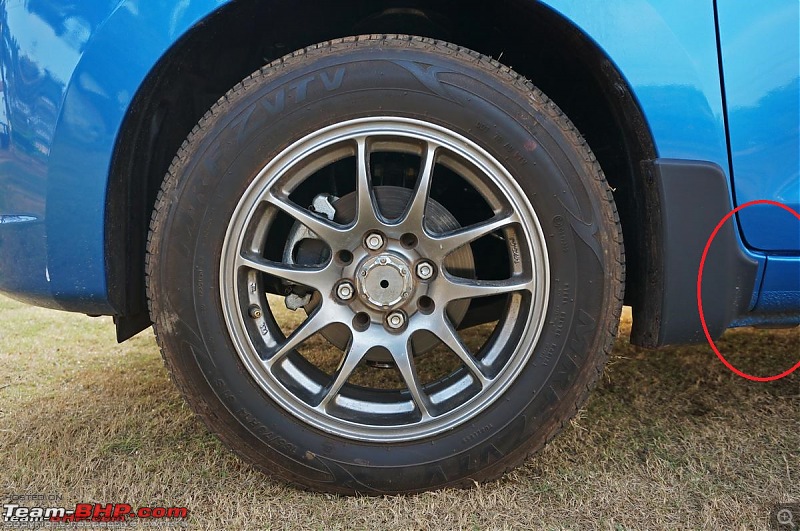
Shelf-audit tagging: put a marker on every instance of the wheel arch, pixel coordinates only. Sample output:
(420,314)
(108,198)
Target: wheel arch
(532,38)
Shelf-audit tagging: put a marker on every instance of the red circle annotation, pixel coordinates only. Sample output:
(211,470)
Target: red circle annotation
(700,292)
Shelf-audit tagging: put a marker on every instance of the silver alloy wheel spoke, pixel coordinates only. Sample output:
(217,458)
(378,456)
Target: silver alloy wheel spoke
(404,360)
(442,329)
(322,228)
(414,216)
(444,244)
(457,289)
(356,351)
(302,386)
(302,333)
(366,211)
(317,278)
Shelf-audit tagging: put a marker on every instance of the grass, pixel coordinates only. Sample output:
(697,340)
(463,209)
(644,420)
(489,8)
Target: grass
(669,439)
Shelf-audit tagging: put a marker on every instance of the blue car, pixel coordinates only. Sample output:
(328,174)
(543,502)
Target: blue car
(384,246)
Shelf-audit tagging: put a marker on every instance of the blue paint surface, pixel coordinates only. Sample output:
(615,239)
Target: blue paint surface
(761,63)
(70,69)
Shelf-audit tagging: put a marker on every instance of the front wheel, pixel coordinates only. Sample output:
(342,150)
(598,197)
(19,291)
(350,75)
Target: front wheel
(385,264)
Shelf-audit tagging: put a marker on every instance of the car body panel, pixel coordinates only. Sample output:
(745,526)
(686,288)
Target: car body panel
(672,70)
(760,47)
(780,289)
(678,86)
(64,110)
(68,83)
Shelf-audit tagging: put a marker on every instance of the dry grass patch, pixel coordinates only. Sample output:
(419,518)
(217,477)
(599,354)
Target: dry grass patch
(669,439)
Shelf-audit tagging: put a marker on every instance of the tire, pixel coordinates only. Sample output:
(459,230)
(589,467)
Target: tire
(447,239)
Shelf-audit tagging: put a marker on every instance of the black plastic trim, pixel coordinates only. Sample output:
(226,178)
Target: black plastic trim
(130,325)
(694,198)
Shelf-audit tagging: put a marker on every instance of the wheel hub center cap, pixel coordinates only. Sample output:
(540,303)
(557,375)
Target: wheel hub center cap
(384,281)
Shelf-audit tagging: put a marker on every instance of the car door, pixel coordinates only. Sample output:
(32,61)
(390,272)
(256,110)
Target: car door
(760,56)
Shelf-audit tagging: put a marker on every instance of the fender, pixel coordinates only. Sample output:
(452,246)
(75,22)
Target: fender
(62,176)
(673,70)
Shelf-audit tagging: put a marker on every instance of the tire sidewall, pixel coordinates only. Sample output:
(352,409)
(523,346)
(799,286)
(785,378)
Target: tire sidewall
(301,95)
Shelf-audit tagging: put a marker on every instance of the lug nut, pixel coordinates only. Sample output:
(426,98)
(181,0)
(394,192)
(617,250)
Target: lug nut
(254,312)
(396,320)
(345,291)
(425,270)
(374,241)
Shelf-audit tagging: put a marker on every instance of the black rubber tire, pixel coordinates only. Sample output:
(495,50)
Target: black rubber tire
(411,77)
